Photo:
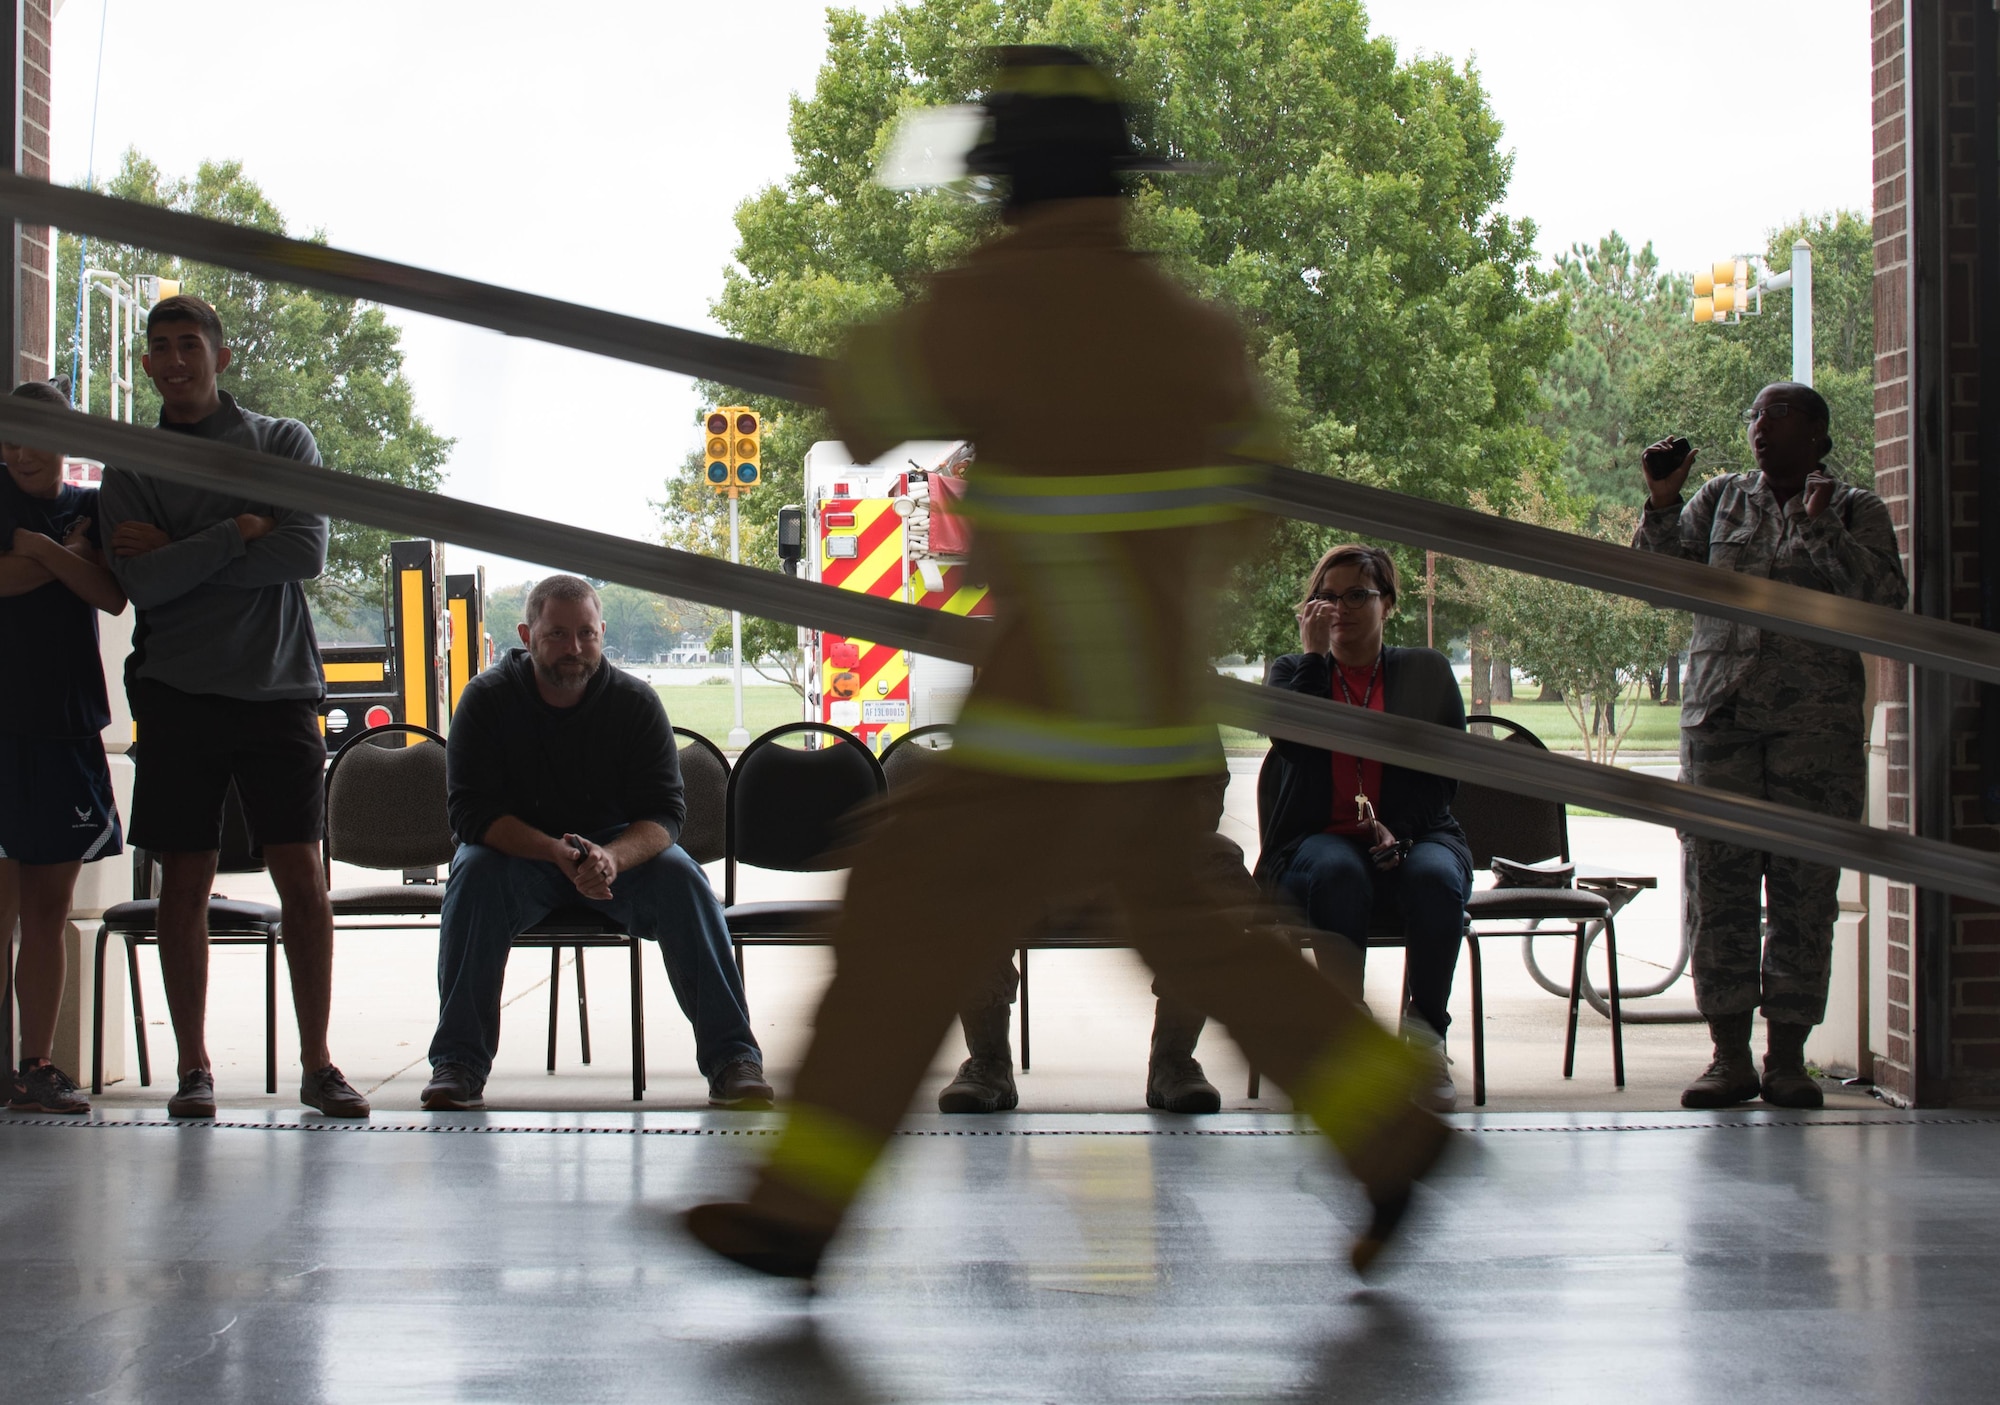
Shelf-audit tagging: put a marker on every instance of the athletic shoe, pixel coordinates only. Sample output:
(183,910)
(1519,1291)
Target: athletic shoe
(746,1235)
(326,1091)
(740,1084)
(196,1097)
(46,1088)
(453,1089)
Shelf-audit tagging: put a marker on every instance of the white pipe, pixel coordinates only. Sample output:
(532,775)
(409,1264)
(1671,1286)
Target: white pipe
(1802,310)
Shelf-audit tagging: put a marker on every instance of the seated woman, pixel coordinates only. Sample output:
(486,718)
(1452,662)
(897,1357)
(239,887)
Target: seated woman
(1348,839)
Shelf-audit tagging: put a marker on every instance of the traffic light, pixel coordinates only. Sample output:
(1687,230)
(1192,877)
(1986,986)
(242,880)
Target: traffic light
(717,452)
(1722,292)
(734,454)
(746,450)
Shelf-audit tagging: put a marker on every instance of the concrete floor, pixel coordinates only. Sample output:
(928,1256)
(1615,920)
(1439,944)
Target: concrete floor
(1067,1258)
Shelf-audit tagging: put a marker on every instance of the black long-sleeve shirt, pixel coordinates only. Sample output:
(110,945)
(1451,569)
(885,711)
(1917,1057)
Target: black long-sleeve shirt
(607,762)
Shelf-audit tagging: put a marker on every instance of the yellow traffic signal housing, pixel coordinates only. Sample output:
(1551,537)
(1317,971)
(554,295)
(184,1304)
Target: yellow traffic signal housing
(1721,292)
(746,450)
(715,455)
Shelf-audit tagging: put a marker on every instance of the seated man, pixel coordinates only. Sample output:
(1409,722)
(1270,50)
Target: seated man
(565,788)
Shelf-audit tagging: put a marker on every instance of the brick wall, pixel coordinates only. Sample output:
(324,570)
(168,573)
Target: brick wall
(37,242)
(1906,479)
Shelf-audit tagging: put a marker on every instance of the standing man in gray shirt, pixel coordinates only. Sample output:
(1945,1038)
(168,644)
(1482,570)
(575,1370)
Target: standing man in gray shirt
(225,681)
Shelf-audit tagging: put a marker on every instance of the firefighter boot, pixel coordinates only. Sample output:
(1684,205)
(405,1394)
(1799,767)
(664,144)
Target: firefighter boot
(985,1082)
(1786,1082)
(1174,1080)
(1731,1076)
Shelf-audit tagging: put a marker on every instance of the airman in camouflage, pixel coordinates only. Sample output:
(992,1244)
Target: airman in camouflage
(1773,716)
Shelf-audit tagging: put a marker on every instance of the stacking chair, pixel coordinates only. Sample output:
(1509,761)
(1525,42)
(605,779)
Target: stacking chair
(231,922)
(785,808)
(1386,931)
(704,774)
(385,809)
(1500,824)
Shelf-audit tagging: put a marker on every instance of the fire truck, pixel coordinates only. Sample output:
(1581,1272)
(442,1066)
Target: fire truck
(887,528)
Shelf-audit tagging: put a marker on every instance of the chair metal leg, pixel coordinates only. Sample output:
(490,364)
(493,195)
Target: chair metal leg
(638,1023)
(1617,1017)
(97,1013)
(1575,998)
(1256,1081)
(555,1000)
(7,1004)
(582,1007)
(138,1010)
(1024,1009)
(1478,1020)
(742,976)
(271,1010)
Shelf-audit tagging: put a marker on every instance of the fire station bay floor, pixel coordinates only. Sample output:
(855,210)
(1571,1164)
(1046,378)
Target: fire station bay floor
(1583,1244)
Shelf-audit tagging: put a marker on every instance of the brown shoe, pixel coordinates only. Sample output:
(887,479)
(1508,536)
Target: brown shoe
(1731,1076)
(1785,1082)
(325,1090)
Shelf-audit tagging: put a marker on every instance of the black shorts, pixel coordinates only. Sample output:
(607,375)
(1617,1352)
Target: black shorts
(55,801)
(188,747)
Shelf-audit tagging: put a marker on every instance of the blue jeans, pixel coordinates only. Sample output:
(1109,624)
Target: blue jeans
(667,899)
(1341,891)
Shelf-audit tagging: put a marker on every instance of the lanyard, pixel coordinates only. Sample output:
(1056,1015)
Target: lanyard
(1346,693)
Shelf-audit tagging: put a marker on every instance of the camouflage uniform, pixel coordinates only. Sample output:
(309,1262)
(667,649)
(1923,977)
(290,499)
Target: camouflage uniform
(1774,716)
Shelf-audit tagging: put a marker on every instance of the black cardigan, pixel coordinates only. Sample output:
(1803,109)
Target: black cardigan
(1297,800)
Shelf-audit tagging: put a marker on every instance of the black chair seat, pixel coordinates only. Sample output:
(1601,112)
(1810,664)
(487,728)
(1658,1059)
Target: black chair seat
(578,921)
(813,917)
(1555,904)
(225,917)
(389,900)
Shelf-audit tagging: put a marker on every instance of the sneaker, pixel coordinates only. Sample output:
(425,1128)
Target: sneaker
(46,1088)
(453,1089)
(740,1084)
(196,1097)
(1437,1092)
(326,1091)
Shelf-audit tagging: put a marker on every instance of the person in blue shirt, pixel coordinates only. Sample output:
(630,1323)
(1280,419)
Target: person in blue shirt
(56,808)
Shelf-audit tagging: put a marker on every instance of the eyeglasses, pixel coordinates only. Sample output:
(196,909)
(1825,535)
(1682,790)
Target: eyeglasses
(1777,410)
(1355,599)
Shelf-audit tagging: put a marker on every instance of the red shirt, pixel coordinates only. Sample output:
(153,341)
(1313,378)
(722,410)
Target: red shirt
(1352,775)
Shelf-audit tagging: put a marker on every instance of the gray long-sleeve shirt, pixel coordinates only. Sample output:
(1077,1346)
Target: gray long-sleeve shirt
(1777,681)
(216,614)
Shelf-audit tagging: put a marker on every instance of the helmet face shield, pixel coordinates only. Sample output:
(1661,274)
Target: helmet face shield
(930,147)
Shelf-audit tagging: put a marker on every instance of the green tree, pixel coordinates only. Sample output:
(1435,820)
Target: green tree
(1595,648)
(334,363)
(1348,212)
(1705,376)
(1622,310)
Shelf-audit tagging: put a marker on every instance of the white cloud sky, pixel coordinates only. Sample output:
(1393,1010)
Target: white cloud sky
(596,152)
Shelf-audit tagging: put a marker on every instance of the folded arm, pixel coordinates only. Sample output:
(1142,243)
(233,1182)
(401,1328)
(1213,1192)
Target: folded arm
(293,550)
(75,563)
(168,571)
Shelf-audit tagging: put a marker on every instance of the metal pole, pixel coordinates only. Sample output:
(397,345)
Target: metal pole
(1802,310)
(739,735)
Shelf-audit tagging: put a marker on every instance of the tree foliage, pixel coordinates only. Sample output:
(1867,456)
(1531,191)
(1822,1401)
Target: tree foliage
(1348,212)
(1704,376)
(1593,647)
(332,362)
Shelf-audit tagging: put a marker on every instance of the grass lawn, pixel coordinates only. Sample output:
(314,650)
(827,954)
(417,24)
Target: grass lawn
(1657,728)
(709,708)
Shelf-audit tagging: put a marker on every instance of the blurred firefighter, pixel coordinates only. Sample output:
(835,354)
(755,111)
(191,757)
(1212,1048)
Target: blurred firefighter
(1085,755)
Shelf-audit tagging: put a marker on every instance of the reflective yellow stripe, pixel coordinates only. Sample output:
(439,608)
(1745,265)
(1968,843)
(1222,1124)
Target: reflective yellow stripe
(1057,80)
(1104,502)
(824,1154)
(1362,1080)
(991,736)
(879,384)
